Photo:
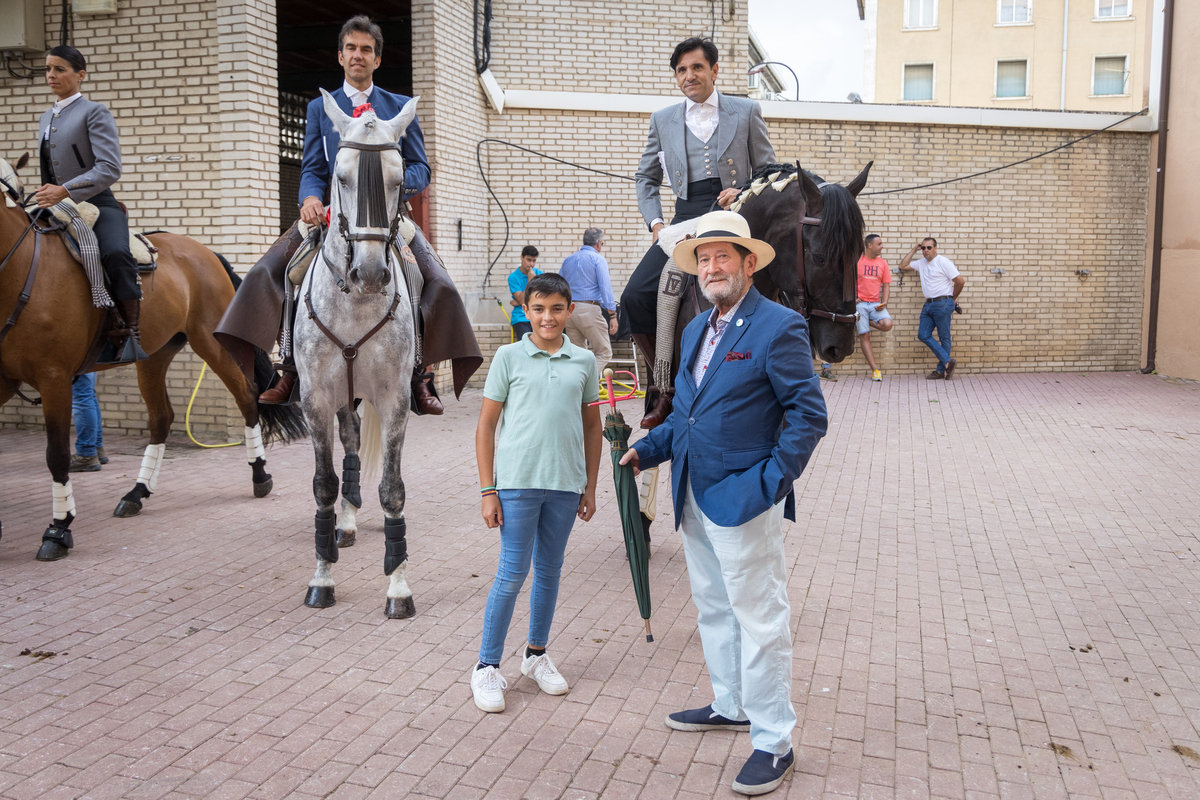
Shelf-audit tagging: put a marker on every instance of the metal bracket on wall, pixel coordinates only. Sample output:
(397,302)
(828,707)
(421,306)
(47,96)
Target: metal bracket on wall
(997,271)
(1083,274)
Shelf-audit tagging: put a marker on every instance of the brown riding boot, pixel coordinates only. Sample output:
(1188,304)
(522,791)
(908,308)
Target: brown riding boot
(424,398)
(281,392)
(662,409)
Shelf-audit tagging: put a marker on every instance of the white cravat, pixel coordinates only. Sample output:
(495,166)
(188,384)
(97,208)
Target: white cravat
(58,107)
(701,118)
(357,98)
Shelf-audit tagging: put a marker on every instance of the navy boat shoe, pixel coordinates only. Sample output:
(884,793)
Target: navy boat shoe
(763,772)
(704,719)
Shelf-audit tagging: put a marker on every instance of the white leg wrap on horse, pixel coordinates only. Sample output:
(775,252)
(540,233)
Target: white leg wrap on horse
(151,464)
(254,444)
(64,499)
(324,574)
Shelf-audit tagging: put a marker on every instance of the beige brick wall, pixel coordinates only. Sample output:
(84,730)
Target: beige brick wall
(196,113)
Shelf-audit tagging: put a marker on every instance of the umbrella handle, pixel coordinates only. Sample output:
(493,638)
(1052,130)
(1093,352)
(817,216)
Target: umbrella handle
(612,398)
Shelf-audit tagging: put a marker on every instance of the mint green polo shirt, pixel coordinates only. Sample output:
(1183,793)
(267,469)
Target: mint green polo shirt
(541,435)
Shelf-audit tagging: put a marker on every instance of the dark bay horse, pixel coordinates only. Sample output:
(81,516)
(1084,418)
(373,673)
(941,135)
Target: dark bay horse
(181,304)
(832,226)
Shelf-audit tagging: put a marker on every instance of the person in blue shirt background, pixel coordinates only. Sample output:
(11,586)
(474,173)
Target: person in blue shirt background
(516,285)
(587,273)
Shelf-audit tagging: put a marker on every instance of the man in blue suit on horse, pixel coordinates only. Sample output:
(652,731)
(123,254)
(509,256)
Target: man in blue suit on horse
(748,413)
(443,330)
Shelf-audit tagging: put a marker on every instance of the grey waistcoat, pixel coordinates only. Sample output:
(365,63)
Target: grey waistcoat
(701,156)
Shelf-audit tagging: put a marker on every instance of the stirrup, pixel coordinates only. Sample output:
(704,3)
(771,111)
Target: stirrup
(130,351)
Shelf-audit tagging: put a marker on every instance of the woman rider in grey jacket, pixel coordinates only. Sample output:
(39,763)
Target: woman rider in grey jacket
(81,159)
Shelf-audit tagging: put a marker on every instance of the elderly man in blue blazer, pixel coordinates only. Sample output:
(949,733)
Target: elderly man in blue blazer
(748,414)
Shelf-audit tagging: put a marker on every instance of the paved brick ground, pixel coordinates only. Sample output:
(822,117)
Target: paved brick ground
(991,585)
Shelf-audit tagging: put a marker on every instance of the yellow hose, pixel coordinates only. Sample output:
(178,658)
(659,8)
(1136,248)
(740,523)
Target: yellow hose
(187,417)
(511,333)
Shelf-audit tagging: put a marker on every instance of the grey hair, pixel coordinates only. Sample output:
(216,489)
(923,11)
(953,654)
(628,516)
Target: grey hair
(593,237)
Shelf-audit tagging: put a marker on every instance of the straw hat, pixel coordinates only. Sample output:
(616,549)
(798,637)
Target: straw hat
(721,226)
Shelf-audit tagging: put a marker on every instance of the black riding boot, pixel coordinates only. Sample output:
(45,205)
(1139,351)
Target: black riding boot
(124,345)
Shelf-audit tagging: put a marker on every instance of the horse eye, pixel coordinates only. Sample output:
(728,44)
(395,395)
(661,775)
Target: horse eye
(817,257)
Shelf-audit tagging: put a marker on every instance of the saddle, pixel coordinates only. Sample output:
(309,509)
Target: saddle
(143,252)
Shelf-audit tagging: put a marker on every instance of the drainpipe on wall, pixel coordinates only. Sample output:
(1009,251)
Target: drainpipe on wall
(1062,95)
(1160,183)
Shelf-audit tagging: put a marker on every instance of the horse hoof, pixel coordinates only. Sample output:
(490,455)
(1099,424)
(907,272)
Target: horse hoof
(51,551)
(263,489)
(400,607)
(345,538)
(319,597)
(127,508)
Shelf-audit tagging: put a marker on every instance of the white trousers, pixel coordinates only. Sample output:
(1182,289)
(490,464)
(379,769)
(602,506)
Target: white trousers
(739,586)
(587,322)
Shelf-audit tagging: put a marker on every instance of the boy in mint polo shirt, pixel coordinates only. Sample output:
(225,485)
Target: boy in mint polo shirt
(540,477)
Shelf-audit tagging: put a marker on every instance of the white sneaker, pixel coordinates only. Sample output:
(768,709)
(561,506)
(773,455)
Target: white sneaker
(488,685)
(542,670)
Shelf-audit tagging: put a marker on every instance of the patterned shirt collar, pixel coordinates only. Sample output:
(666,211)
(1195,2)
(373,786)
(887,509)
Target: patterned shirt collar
(719,324)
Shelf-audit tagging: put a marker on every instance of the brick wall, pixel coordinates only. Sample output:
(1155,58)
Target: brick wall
(196,113)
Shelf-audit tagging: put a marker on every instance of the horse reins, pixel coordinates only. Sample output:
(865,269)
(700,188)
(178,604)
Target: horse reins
(850,276)
(27,289)
(350,351)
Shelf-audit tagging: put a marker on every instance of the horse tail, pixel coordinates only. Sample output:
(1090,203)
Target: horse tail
(370,444)
(280,423)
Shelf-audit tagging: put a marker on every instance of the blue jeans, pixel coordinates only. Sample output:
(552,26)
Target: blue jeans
(937,314)
(536,525)
(85,408)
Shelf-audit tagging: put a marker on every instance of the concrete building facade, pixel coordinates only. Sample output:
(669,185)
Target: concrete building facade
(578,82)
(1085,55)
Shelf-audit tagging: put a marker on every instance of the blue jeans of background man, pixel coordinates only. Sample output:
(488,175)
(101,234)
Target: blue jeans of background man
(536,525)
(85,408)
(936,313)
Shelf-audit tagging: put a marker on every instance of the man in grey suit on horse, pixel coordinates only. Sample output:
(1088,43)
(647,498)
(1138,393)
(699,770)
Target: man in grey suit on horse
(707,149)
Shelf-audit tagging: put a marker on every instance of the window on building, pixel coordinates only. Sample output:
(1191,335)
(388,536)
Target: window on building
(1015,11)
(1012,78)
(920,13)
(918,81)
(1108,76)
(1112,8)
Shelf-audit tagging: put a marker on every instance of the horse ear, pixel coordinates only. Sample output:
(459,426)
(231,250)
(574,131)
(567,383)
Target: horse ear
(22,161)
(339,118)
(812,195)
(399,123)
(855,186)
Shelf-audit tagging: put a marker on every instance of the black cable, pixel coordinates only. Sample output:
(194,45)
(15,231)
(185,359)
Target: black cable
(483,55)
(29,74)
(1006,166)
(64,35)
(486,183)
(483,174)
(712,6)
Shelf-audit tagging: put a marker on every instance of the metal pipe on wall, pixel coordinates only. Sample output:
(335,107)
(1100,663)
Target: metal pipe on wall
(1062,97)
(1160,184)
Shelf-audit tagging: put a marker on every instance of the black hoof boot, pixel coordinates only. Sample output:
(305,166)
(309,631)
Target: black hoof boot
(56,541)
(131,503)
(263,489)
(400,607)
(319,597)
(345,538)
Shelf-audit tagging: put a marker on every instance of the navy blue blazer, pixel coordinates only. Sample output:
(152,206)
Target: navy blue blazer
(746,433)
(321,144)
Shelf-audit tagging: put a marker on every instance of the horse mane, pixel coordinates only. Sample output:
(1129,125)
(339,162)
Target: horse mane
(842,223)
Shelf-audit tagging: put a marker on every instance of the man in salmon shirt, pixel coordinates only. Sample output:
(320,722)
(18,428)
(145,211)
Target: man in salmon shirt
(874,288)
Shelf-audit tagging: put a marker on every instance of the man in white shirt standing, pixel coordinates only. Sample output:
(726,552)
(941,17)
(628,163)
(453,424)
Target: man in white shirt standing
(941,284)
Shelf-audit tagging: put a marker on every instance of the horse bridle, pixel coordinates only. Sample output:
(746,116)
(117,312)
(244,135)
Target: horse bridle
(849,276)
(350,351)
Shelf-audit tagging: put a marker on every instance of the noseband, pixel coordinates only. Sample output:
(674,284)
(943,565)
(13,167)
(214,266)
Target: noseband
(849,282)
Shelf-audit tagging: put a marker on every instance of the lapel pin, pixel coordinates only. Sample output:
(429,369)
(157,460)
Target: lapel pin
(739,323)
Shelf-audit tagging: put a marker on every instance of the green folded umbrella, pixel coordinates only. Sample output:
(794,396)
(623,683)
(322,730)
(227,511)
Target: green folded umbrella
(617,432)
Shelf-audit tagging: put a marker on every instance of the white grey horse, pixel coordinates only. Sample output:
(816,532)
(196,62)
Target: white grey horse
(354,339)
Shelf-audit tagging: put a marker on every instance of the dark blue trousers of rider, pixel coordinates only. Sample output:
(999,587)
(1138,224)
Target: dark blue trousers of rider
(112,235)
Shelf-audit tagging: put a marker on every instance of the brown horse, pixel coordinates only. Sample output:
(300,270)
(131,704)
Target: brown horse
(181,304)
